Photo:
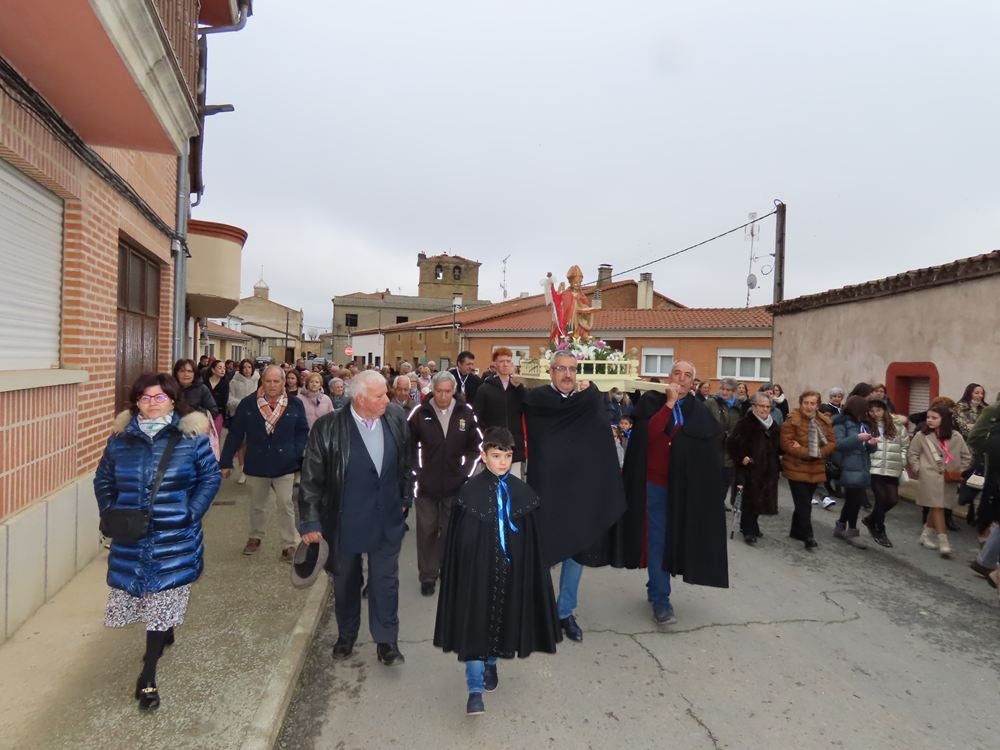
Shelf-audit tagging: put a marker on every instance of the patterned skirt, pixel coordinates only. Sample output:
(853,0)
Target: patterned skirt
(160,611)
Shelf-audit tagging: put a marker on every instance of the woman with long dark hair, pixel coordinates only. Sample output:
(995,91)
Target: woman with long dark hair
(218,384)
(150,577)
(194,392)
(856,438)
(887,464)
(965,413)
(937,457)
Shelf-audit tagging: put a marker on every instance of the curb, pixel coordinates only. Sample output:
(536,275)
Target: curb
(277,694)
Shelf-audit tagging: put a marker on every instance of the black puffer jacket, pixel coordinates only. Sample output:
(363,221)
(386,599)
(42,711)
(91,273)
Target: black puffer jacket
(442,463)
(496,406)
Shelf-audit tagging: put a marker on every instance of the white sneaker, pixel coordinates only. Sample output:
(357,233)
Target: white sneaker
(927,539)
(815,501)
(242,479)
(828,502)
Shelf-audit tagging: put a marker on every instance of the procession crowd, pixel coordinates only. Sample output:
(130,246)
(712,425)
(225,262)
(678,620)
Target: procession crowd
(506,482)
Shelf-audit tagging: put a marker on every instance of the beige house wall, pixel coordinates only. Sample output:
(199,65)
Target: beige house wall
(954,327)
(271,314)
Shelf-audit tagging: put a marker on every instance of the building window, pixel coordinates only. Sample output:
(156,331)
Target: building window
(402,319)
(399,337)
(657,360)
(420,336)
(456,273)
(744,364)
(439,272)
(351,320)
(209,349)
(236,352)
(445,336)
(138,319)
(31,251)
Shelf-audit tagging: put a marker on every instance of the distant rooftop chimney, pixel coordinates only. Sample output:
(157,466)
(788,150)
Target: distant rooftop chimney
(603,275)
(644,292)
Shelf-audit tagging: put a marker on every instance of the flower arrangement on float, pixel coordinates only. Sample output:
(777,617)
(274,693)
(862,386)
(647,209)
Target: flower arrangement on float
(593,350)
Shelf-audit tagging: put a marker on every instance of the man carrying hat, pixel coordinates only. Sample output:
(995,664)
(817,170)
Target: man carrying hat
(355,485)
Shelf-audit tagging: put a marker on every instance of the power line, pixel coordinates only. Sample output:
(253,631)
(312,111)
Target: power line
(696,245)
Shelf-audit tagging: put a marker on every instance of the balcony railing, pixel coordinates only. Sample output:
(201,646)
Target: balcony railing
(180,23)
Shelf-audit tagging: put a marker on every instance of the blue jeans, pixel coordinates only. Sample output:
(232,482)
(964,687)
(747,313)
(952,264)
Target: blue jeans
(658,586)
(569,584)
(474,673)
(989,555)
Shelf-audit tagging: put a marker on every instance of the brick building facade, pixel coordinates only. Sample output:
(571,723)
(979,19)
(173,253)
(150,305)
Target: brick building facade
(104,165)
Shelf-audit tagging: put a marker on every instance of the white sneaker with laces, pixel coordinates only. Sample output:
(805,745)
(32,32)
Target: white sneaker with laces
(828,502)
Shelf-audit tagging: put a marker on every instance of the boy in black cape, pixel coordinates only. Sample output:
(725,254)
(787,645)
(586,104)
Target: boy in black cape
(496,596)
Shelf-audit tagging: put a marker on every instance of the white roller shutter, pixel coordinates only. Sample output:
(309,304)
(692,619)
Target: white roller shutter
(920,395)
(31,243)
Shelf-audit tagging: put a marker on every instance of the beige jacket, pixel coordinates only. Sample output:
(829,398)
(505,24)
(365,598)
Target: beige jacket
(926,458)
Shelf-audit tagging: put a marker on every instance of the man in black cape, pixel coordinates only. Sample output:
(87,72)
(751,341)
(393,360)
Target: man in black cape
(673,455)
(573,466)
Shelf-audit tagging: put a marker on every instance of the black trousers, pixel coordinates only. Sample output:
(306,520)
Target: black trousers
(854,498)
(383,593)
(802,494)
(886,491)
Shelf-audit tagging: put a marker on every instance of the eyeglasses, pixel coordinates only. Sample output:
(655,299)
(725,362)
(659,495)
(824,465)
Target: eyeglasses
(159,398)
(564,368)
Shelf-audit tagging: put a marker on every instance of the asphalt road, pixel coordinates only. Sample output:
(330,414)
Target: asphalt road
(838,648)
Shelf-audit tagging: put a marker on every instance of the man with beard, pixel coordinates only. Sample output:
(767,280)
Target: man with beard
(573,467)
(674,524)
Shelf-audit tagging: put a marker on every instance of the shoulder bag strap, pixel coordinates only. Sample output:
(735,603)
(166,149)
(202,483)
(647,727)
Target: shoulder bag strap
(164,462)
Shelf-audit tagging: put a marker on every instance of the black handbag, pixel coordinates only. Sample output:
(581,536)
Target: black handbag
(832,470)
(130,524)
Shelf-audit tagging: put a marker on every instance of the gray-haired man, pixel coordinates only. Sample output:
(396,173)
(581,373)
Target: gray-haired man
(445,444)
(355,484)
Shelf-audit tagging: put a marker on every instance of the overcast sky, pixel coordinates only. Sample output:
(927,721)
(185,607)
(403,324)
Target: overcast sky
(586,131)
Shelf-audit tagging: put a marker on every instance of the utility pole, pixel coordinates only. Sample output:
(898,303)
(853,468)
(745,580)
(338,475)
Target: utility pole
(779,252)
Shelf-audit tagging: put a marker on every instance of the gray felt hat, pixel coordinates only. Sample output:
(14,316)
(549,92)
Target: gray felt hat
(308,562)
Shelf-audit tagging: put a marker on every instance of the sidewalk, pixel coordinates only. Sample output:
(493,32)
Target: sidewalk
(66,681)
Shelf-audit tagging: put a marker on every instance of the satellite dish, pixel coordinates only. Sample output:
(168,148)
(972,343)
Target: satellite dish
(752,281)
(766,269)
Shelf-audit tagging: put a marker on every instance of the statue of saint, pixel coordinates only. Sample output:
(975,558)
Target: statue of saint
(571,310)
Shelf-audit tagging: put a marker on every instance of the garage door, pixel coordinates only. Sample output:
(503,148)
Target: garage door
(31,236)
(920,395)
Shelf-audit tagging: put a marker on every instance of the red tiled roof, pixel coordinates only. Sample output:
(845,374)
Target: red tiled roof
(533,303)
(964,269)
(689,318)
(214,329)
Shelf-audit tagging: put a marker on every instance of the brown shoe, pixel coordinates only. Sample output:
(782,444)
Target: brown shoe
(288,554)
(252,547)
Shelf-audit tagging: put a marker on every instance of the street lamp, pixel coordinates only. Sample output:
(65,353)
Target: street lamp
(456,305)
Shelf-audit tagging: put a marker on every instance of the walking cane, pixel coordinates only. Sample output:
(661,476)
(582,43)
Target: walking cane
(737,511)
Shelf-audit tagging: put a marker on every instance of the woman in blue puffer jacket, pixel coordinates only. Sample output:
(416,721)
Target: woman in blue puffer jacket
(151,578)
(857,438)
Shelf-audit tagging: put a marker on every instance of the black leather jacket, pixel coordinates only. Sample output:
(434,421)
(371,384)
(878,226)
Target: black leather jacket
(323,470)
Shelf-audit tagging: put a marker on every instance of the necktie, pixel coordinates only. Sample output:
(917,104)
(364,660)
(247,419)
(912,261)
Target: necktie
(503,513)
(369,423)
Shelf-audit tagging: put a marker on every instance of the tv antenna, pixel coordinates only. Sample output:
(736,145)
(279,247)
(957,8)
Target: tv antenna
(503,284)
(750,235)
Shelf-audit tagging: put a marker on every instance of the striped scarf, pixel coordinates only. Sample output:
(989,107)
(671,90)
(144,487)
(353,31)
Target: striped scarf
(816,437)
(271,416)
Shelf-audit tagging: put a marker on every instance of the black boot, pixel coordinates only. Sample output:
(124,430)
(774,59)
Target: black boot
(146,691)
(949,520)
